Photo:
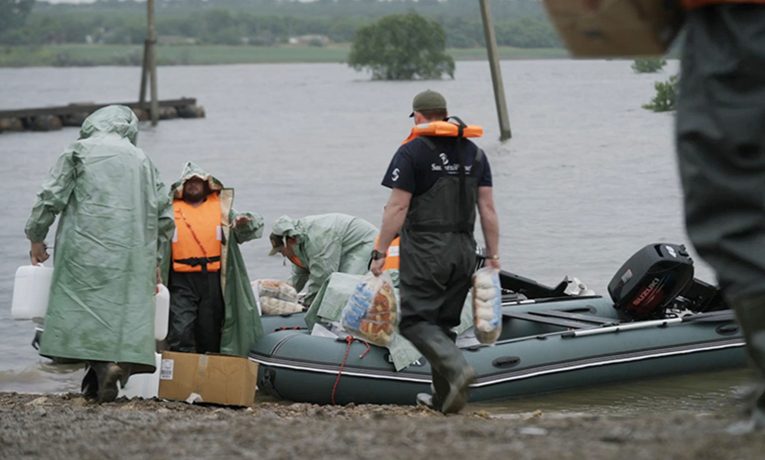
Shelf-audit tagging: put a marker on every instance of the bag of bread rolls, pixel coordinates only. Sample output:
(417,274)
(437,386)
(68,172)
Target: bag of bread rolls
(487,305)
(275,297)
(371,312)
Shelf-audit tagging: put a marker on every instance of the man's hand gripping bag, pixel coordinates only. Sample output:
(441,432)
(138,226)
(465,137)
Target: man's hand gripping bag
(487,305)
(371,312)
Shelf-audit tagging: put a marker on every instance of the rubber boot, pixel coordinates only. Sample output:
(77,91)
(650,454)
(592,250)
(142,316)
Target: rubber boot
(448,364)
(751,318)
(109,376)
(432,400)
(89,387)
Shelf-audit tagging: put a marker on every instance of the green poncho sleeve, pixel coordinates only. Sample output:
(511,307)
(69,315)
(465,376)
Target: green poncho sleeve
(166,225)
(52,198)
(249,231)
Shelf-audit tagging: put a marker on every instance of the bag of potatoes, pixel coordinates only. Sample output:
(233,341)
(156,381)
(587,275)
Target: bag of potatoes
(371,312)
(487,305)
(276,297)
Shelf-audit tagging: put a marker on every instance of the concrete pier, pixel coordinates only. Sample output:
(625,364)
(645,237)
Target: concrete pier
(52,118)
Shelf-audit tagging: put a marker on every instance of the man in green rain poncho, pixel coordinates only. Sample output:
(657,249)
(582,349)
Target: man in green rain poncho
(114,213)
(320,245)
(212,306)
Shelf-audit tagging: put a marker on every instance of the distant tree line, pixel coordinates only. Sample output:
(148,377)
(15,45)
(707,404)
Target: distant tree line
(519,23)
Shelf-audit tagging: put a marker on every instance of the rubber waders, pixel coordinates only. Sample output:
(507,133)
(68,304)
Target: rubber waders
(751,317)
(452,374)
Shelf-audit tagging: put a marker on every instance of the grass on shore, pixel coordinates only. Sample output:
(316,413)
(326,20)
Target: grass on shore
(93,55)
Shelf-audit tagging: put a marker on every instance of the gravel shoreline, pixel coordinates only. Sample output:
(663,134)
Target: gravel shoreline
(68,427)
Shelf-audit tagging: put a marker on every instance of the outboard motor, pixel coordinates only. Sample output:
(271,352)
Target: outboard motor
(651,279)
(702,297)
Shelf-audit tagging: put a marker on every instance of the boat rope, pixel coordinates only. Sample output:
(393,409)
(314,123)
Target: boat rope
(349,341)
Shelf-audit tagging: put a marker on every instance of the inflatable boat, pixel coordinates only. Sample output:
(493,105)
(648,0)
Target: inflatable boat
(659,321)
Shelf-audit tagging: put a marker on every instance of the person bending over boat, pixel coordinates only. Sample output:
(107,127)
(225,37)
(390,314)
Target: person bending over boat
(212,307)
(437,178)
(721,153)
(321,245)
(114,212)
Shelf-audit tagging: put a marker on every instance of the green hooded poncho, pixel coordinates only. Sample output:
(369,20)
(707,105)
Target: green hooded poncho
(327,243)
(241,326)
(114,213)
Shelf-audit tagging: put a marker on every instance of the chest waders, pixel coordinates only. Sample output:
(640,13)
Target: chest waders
(437,260)
(721,158)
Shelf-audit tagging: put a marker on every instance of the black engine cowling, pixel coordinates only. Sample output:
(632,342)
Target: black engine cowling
(651,279)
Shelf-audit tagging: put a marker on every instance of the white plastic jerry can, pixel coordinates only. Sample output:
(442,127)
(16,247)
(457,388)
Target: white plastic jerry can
(31,291)
(161,312)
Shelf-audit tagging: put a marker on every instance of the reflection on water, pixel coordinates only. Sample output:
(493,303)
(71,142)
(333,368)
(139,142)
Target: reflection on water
(588,178)
(701,392)
(43,377)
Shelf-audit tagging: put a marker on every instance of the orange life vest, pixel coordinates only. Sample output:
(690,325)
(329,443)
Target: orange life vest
(198,235)
(294,259)
(691,4)
(392,256)
(443,129)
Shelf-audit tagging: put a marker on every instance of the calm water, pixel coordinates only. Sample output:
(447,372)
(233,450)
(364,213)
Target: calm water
(588,178)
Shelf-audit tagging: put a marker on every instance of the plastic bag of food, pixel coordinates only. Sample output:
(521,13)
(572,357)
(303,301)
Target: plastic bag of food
(276,297)
(371,312)
(276,288)
(487,305)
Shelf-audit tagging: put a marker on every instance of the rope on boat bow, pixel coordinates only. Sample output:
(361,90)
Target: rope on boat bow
(349,341)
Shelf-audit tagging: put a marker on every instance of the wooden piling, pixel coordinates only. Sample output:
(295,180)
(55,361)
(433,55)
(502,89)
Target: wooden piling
(496,72)
(149,66)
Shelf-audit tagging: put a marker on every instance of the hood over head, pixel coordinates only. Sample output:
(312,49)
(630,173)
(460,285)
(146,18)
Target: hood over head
(117,119)
(285,226)
(191,169)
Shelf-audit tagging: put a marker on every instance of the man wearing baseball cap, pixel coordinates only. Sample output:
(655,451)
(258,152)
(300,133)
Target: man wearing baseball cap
(437,178)
(428,101)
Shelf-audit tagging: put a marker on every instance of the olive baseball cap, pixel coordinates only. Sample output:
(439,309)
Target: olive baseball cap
(428,100)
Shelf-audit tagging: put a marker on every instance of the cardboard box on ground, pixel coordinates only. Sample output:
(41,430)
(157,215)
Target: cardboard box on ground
(616,28)
(219,379)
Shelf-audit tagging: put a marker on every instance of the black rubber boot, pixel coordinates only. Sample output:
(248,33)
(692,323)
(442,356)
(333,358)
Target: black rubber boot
(89,387)
(449,368)
(432,400)
(109,376)
(751,318)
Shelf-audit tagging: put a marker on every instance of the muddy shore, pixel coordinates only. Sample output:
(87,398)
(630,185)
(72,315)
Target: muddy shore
(68,427)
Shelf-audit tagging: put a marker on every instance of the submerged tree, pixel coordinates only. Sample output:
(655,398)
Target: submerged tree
(648,65)
(666,95)
(402,47)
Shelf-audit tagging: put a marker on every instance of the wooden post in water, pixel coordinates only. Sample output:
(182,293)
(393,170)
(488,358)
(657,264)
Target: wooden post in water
(150,64)
(496,73)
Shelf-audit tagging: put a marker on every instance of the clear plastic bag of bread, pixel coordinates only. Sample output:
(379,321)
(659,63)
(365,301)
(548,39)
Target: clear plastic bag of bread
(371,312)
(276,297)
(487,305)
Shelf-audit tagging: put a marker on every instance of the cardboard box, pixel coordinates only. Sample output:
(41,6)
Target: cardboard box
(614,28)
(218,379)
